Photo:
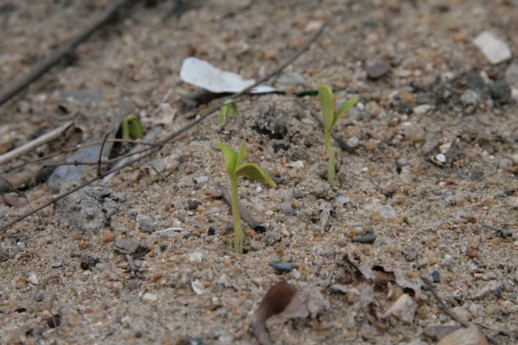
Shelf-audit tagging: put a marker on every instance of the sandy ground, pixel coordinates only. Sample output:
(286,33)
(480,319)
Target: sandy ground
(145,257)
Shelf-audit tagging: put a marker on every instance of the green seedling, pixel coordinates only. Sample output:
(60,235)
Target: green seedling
(237,167)
(228,110)
(327,103)
(131,128)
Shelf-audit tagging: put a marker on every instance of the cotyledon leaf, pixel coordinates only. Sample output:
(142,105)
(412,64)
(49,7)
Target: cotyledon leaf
(254,172)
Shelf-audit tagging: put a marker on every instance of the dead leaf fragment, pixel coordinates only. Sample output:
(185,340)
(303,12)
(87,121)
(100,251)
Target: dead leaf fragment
(316,303)
(325,211)
(277,298)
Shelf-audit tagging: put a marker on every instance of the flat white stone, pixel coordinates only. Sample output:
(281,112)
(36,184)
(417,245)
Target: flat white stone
(493,48)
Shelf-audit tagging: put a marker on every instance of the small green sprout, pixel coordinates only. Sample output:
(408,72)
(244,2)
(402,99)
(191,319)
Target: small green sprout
(228,110)
(131,127)
(235,168)
(327,103)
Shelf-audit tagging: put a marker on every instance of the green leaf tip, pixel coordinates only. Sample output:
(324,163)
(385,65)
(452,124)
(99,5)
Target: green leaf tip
(228,110)
(327,103)
(345,107)
(131,127)
(255,172)
(230,156)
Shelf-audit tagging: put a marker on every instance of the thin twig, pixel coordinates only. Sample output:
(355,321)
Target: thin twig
(443,306)
(63,51)
(99,161)
(168,138)
(17,152)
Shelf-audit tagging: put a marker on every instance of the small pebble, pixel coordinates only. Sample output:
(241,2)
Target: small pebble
(282,267)
(149,297)
(377,69)
(436,277)
(342,200)
(201,179)
(441,158)
(211,231)
(493,48)
(367,238)
(88,262)
(145,223)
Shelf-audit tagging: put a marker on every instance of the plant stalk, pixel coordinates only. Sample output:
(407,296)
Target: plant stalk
(331,165)
(236,217)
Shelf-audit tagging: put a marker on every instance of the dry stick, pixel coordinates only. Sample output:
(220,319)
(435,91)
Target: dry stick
(53,134)
(75,148)
(99,161)
(43,66)
(170,137)
(443,306)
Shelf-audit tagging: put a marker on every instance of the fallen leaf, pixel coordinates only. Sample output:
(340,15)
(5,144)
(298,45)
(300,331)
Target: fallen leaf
(277,298)
(325,211)
(316,303)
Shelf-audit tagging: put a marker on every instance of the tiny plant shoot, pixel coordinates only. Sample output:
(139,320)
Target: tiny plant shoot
(235,168)
(327,103)
(228,110)
(131,127)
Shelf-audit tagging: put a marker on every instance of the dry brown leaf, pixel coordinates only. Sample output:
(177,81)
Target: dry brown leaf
(277,298)
(316,303)
(325,211)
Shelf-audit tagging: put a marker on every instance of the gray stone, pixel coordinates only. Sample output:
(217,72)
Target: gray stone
(470,97)
(511,75)
(145,223)
(493,48)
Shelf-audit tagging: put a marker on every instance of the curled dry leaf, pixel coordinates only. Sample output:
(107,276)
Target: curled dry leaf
(316,303)
(277,298)
(385,274)
(325,211)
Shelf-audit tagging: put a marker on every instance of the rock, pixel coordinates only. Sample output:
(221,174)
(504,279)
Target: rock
(423,109)
(67,174)
(404,309)
(511,75)
(439,331)
(286,208)
(464,336)
(413,132)
(271,237)
(372,108)
(197,287)
(149,298)
(342,200)
(377,69)
(500,92)
(282,267)
(291,78)
(470,97)
(88,262)
(367,238)
(196,257)
(494,49)
(145,223)
(436,277)
(201,180)
(462,313)
(276,147)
